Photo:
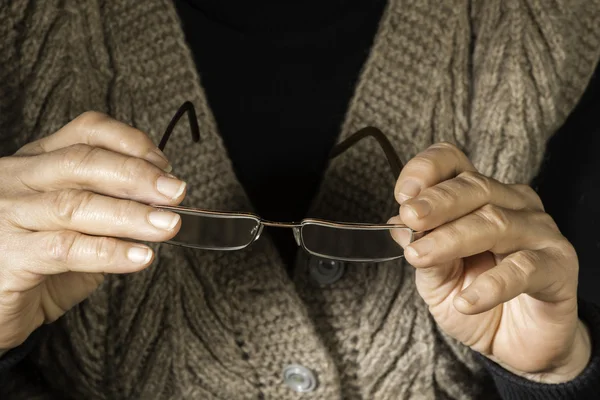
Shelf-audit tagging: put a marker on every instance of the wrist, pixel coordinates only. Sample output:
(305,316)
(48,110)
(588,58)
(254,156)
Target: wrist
(571,365)
(579,357)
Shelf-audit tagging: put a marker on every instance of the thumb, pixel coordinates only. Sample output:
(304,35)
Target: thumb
(66,290)
(434,284)
(445,281)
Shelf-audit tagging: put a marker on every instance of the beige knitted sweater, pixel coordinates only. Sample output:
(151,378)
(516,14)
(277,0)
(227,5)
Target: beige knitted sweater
(496,77)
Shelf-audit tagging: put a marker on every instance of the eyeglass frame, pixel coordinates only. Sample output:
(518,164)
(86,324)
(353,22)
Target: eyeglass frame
(392,157)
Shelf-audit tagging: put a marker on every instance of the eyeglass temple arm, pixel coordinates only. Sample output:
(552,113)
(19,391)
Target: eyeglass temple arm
(392,156)
(370,131)
(191,112)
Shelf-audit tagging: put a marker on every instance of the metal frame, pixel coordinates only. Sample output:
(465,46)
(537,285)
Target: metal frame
(392,156)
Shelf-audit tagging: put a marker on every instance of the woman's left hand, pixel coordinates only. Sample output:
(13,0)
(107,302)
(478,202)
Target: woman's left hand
(494,269)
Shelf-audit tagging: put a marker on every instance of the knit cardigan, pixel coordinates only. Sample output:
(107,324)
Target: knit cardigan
(495,77)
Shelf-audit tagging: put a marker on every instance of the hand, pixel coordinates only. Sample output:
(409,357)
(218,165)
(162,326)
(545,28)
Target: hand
(494,269)
(66,202)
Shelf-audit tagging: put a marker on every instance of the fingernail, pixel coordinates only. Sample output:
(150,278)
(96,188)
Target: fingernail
(402,236)
(408,189)
(409,251)
(470,296)
(163,219)
(420,208)
(420,248)
(139,255)
(170,187)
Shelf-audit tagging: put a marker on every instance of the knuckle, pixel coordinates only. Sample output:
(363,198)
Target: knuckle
(106,250)
(441,193)
(133,170)
(477,181)
(545,220)
(61,246)
(525,264)
(531,197)
(130,140)
(90,119)
(134,142)
(74,156)
(124,210)
(566,249)
(562,256)
(525,190)
(68,204)
(449,235)
(494,216)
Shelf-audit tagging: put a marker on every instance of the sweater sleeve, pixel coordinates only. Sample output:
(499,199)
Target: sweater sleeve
(19,376)
(63,360)
(585,386)
(14,356)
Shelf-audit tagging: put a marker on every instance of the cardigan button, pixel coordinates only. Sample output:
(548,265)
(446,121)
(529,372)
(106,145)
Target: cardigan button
(325,272)
(300,379)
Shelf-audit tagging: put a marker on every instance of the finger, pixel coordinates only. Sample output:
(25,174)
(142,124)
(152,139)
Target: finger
(435,284)
(67,290)
(49,253)
(436,164)
(531,272)
(92,214)
(402,236)
(99,130)
(456,197)
(490,228)
(101,171)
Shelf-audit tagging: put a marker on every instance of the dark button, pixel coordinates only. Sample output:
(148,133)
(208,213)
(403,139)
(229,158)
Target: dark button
(325,272)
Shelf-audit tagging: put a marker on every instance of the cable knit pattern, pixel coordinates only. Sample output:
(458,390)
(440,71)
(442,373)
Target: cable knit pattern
(530,62)
(496,77)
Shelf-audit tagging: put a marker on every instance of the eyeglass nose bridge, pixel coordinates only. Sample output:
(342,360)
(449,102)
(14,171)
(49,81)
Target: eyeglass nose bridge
(296,231)
(260,230)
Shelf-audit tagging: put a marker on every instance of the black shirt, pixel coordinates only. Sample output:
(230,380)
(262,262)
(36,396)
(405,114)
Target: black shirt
(569,185)
(278,77)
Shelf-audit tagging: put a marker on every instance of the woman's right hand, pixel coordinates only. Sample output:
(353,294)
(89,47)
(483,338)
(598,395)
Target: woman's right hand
(68,202)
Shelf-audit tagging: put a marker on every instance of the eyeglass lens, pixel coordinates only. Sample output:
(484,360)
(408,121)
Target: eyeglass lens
(216,232)
(352,244)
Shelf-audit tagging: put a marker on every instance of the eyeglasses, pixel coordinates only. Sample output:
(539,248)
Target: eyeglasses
(227,231)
